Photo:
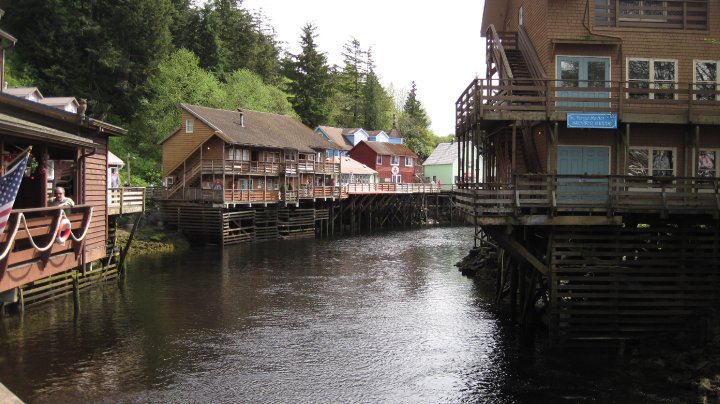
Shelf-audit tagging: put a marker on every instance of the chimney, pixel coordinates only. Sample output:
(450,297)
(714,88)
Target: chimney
(242,118)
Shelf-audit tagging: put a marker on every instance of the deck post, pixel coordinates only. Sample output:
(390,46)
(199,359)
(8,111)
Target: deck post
(76,291)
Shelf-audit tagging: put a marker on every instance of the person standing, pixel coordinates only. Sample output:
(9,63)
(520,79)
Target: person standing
(60,199)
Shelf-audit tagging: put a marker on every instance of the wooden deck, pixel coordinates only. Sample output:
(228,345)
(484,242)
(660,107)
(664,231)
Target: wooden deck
(28,247)
(553,196)
(540,100)
(126,200)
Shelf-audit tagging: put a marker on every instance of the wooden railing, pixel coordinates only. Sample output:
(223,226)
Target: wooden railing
(29,245)
(126,200)
(499,99)
(666,14)
(563,194)
(391,188)
(241,167)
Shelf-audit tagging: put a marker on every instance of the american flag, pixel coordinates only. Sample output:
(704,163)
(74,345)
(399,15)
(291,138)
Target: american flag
(9,185)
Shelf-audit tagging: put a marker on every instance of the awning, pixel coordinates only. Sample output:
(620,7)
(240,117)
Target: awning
(13,126)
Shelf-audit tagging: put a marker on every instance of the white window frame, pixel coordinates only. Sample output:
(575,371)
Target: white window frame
(379,159)
(716,83)
(408,161)
(396,178)
(649,167)
(715,171)
(652,83)
(394,160)
(189,125)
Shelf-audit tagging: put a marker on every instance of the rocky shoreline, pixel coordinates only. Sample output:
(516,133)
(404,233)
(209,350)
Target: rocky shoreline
(151,240)
(690,360)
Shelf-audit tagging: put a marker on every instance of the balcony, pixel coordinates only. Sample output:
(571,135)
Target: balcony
(238,167)
(551,199)
(126,200)
(29,248)
(506,100)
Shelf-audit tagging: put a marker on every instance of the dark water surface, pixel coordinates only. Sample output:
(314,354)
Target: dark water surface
(383,318)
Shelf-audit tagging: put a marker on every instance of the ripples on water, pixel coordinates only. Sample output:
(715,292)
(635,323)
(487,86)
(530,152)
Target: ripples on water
(383,318)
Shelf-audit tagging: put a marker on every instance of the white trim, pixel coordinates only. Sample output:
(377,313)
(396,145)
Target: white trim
(410,160)
(717,75)
(189,125)
(397,162)
(650,150)
(378,159)
(651,72)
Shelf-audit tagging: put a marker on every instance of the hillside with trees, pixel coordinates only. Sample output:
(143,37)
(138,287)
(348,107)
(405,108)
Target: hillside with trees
(135,61)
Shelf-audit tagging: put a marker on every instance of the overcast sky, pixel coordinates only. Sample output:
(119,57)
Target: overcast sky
(436,44)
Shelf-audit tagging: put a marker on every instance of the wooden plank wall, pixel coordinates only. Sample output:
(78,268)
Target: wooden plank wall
(94,192)
(618,283)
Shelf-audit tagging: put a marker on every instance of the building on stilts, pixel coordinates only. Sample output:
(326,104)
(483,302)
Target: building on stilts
(51,251)
(240,176)
(595,129)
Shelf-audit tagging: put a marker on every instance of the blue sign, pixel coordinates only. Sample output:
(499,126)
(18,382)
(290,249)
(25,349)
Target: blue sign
(591,120)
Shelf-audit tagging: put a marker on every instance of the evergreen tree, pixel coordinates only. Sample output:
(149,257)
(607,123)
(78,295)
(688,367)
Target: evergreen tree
(414,126)
(310,81)
(377,104)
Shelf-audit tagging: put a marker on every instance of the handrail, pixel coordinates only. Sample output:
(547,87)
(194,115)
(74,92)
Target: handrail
(595,193)
(498,95)
(499,51)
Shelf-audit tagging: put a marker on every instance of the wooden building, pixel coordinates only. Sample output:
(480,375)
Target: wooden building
(393,162)
(595,126)
(31,251)
(246,157)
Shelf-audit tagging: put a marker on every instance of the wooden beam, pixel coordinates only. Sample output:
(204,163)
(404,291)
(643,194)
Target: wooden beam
(515,248)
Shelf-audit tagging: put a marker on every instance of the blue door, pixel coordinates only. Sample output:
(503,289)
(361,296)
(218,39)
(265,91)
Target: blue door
(578,161)
(583,72)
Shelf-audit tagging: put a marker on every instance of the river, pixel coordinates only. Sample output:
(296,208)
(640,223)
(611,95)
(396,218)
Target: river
(380,318)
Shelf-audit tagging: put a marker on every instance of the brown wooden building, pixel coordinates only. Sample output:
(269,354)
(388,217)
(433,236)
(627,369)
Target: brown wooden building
(596,124)
(69,146)
(246,157)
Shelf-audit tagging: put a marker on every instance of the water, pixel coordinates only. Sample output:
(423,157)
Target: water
(383,318)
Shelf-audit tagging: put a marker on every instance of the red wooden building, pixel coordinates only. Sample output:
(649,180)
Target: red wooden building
(393,162)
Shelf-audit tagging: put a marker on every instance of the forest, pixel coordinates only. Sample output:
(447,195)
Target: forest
(135,61)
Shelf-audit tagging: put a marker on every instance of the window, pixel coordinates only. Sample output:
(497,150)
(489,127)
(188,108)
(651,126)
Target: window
(189,125)
(378,159)
(272,157)
(289,155)
(650,74)
(394,160)
(408,161)
(706,79)
(707,163)
(643,10)
(649,161)
(397,178)
(239,154)
(244,184)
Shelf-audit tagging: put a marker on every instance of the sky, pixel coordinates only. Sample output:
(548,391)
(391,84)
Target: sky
(435,44)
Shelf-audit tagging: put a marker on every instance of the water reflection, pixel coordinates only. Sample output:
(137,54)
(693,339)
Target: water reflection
(386,318)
